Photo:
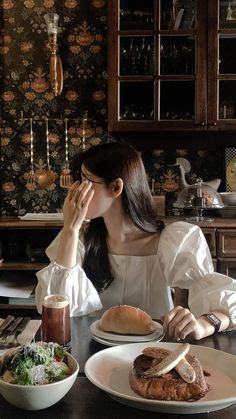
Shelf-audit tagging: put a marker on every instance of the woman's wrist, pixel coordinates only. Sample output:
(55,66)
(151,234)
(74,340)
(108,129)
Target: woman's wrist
(67,249)
(207,326)
(216,321)
(70,230)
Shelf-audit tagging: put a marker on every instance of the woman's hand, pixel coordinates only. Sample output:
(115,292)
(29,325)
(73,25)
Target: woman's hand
(74,209)
(76,204)
(180,322)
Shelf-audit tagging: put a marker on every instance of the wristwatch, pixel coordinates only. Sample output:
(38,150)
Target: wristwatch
(214,320)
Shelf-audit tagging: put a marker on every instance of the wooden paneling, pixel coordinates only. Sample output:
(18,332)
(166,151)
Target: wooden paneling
(210,235)
(227,267)
(226,243)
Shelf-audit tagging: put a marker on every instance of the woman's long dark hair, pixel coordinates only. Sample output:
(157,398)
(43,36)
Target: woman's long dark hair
(110,161)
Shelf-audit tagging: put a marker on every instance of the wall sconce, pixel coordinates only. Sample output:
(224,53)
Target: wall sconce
(56,70)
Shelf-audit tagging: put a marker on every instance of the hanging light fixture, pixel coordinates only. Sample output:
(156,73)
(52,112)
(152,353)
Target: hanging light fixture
(56,70)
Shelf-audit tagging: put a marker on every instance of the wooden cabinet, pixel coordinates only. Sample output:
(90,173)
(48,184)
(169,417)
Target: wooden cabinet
(226,243)
(210,235)
(227,267)
(226,239)
(171,65)
(22,254)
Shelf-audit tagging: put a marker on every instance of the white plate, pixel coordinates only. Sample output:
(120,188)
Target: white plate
(97,331)
(107,342)
(109,370)
(117,342)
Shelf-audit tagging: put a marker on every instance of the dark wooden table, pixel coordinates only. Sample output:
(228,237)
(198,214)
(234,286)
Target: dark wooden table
(85,401)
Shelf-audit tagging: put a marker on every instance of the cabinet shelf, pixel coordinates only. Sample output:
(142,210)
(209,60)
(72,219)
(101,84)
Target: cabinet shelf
(10,307)
(21,266)
(21,242)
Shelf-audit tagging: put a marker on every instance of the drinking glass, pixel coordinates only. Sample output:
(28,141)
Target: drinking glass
(56,320)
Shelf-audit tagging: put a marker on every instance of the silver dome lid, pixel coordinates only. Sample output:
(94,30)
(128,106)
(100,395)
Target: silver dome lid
(199,195)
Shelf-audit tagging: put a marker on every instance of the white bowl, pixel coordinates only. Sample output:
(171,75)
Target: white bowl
(37,397)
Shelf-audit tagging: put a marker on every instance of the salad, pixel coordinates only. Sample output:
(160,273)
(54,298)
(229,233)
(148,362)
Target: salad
(35,363)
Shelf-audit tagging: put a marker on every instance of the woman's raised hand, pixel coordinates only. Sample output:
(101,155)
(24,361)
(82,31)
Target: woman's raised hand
(76,204)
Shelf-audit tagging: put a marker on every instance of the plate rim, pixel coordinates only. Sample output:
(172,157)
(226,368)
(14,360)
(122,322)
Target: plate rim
(199,405)
(112,343)
(126,338)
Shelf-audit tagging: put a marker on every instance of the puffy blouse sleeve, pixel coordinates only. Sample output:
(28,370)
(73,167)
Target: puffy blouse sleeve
(186,263)
(57,279)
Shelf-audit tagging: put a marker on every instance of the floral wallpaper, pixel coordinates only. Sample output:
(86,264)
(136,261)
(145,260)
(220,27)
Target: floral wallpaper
(25,92)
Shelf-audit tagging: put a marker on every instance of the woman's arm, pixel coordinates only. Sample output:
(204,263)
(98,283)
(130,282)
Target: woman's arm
(73,282)
(65,275)
(187,265)
(74,209)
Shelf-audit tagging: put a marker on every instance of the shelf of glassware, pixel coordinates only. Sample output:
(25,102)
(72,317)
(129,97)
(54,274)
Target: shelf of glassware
(157,64)
(175,65)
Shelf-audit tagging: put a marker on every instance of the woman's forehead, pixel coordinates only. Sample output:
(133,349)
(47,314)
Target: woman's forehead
(89,175)
(85,170)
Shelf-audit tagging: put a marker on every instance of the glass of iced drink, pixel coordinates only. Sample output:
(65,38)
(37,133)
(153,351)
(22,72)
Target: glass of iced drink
(56,320)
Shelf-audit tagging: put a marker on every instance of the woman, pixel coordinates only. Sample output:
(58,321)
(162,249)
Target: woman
(124,255)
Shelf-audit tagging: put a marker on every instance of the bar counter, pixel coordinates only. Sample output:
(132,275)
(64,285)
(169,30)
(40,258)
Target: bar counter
(86,401)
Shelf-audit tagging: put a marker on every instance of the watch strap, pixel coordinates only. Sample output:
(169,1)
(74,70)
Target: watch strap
(215,321)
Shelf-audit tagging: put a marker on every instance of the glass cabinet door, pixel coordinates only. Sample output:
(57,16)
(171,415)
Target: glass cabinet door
(178,58)
(136,55)
(157,72)
(222,64)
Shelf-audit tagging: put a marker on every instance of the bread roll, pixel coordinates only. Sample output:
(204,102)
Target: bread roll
(126,319)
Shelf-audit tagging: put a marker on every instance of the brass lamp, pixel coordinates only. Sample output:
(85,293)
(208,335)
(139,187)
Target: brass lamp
(56,70)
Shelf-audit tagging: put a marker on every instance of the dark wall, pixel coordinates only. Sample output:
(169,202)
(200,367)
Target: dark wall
(25,88)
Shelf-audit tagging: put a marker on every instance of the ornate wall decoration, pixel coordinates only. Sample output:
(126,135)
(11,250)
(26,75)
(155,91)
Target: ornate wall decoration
(25,88)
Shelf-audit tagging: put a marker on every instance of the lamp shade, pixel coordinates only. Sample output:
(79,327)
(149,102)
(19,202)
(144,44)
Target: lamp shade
(51,20)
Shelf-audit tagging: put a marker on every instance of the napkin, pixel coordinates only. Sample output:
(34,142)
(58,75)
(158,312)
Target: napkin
(30,331)
(26,336)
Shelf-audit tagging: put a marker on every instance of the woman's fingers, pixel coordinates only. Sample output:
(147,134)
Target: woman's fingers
(179,322)
(87,199)
(73,189)
(191,327)
(78,191)
(169,317)
(81,193)
(76,203)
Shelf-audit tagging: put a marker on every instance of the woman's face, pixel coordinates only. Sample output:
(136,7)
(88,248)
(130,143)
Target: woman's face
(103,197)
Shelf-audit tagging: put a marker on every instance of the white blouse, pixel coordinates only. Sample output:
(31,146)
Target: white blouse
(182,260)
